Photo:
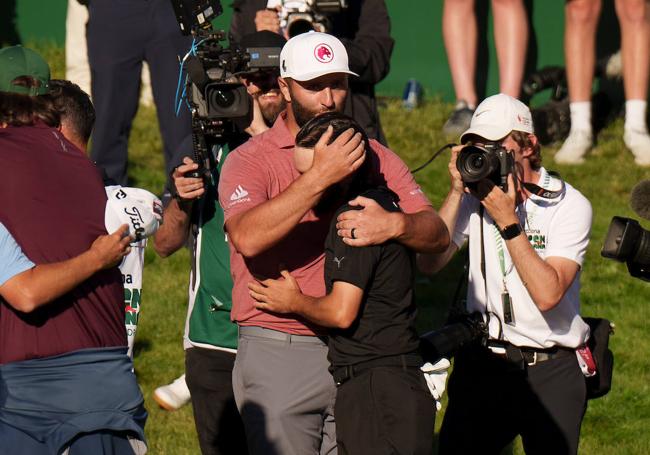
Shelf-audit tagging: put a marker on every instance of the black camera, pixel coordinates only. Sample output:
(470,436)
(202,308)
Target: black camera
(490,161)
(463,330)
(301,16)
(628,242)
(219,102)
(549,77)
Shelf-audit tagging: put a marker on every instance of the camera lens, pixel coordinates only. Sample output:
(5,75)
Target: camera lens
(222,98)
(299,26)
(476,163)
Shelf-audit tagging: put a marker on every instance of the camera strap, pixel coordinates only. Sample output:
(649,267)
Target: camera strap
(544,192)
(488,313)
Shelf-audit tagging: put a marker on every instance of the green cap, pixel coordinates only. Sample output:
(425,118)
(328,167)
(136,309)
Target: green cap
(17,61)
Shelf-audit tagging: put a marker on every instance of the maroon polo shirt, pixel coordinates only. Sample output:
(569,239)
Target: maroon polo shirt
(52,200)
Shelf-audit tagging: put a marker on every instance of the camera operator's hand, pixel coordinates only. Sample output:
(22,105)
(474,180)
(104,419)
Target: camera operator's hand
(457,184)
(500,205)
(268,19)
(334,162)
(188,188)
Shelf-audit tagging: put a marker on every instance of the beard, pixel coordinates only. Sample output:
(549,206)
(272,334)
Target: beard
(303,114)
(270,111)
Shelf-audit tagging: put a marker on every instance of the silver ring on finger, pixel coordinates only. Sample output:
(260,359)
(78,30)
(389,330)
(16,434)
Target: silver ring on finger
(352,233)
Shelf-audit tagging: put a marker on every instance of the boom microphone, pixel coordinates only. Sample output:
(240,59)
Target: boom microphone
(640,199)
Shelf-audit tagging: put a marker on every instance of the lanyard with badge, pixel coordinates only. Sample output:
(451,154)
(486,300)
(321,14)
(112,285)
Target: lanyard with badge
(506,300)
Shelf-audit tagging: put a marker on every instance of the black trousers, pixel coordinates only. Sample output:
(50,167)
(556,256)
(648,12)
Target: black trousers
(385,410)
(208,374)
(492,400)
(121,34)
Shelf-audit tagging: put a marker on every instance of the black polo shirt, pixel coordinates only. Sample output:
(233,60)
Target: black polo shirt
(385,325)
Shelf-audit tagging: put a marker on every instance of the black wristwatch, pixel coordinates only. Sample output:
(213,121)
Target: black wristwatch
(511,231)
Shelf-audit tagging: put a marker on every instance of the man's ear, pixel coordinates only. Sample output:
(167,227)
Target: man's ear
(530,150)
(284,88)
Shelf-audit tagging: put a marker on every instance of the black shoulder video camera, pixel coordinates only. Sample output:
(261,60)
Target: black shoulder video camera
(489,161)
(626,240)
(219,102)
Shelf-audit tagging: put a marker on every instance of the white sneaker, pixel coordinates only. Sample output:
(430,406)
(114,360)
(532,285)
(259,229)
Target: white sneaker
(172,396)
(575,147)
(639,144)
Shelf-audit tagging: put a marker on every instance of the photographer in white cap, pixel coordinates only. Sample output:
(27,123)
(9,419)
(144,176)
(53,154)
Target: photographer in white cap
(282,387)
(528,233)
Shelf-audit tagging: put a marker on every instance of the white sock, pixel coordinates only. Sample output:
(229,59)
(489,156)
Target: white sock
(635,115)
(580,116)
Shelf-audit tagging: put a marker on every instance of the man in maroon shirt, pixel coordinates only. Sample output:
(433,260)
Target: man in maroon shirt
(63,367)
(273,221)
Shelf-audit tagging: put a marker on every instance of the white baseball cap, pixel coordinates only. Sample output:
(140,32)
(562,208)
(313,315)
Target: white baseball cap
(497,116)
(311,55)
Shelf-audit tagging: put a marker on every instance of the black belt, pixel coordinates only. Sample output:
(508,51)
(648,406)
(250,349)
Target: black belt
(528,355)
(344,373)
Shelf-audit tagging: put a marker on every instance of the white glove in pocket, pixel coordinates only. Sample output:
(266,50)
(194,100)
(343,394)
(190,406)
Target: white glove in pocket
(436,377)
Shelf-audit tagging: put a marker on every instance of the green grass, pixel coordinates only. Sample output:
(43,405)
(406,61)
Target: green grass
(615,424)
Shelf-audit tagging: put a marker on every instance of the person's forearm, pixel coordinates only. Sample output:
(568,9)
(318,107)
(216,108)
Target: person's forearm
(424,232)
(540,279)
(448,213)
(370,50)
(172,234)
(261,227)
(46,282)
(324,311)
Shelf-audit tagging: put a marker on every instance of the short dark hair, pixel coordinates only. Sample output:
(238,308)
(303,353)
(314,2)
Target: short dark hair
(311,132)
(75,107)
(523,140)
(24,110)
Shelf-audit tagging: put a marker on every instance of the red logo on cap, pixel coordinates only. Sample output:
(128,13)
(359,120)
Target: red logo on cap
(323,53)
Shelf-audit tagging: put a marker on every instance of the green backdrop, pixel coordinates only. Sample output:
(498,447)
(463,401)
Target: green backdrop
(416,26)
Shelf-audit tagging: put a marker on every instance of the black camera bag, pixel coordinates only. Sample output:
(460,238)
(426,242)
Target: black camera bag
(600,384)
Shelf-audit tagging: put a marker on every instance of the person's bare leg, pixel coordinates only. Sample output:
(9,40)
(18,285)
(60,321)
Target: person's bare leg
(634,19)
(581,21)
(511,41)
(459,31)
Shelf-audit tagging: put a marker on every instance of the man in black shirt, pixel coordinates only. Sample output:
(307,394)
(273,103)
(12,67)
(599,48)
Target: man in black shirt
(382,398)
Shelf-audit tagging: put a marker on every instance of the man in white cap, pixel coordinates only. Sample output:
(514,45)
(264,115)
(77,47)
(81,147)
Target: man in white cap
(281,384)
(528,233)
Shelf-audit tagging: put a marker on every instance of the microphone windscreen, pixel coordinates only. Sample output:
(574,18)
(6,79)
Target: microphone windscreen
(196,72)
(640,199)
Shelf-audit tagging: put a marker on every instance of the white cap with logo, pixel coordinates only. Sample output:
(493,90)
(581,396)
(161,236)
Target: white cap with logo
(311,55)
(497,116)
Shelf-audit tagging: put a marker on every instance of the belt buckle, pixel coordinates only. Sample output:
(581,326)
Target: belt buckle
(534,362)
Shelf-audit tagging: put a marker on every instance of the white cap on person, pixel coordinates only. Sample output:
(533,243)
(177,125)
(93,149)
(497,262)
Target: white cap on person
(313,54)
(497,116)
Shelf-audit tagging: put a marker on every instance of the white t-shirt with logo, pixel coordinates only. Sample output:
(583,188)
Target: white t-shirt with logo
(555,228)
(131,268)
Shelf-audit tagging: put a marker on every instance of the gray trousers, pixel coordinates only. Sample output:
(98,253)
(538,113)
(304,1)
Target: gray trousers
(284,393)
